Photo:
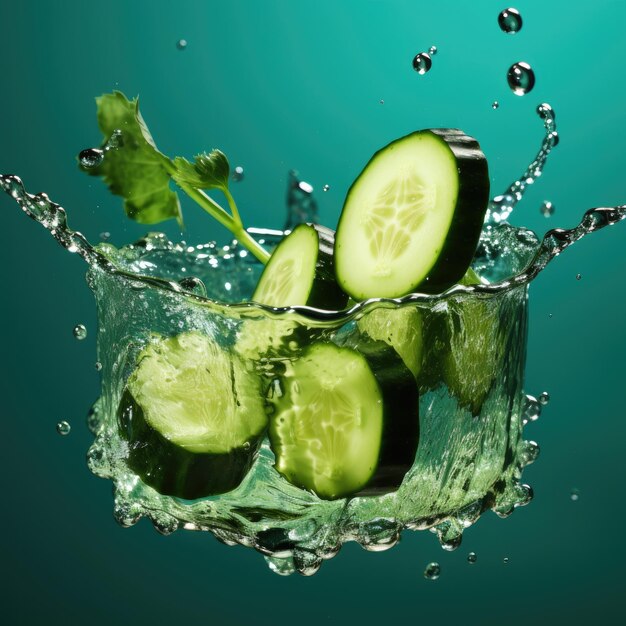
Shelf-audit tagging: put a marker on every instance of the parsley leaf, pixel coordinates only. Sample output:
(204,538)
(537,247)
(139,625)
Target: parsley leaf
(209,171)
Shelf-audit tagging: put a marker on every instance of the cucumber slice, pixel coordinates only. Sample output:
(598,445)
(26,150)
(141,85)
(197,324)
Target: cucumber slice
(301,271)
(345,422)
(412,219)
(193,415)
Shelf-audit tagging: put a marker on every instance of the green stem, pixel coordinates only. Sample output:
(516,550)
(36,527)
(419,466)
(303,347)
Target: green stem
(233,207)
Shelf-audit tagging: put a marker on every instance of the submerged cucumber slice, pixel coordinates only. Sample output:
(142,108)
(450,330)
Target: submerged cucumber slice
(193,415)
(413,217)
(346,421)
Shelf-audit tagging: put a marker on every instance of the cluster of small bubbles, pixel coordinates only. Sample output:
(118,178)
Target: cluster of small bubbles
(98,366)
(495,105)
(578,276)
(505,560)
(544,398)
(325,187)
(510,20)
(532,410)
(432,571)
(238,174)
(181,44)
(521,78)
(432,50)
(80,332)
(574,495)
(547,208)
(422,62)
(63,428)
(105,235)
(91,157)
(471,557)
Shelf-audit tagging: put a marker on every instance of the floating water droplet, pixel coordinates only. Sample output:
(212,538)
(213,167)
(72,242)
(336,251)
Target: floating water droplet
(545,111)
(181,44)
(432,50)
(98,366)
(471,557)
(91,157)
(63,428)
(544,398)
(510,20)
(80,332)
(532,410)
(432,571)
(238,174)
(521,78)
(495,105)
(578,276)
(306,187)
(105,235)
(549,314)
(505,560)
(326,187)
(554,138)
(574,495)
(547,208)
(422,62)
(381,102)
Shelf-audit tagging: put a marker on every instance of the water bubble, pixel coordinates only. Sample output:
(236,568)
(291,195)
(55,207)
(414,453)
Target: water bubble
(547,208)
(544,398)
(545,111)
(422,62)
(326,187)
(510,20)
(554,138)
(495,105)
(432,50)
(381,102)
(181,44)
(63,428)
(574,495)
(306,187)
(505,560)
(432,571)
(521,78)
(238,174)
(98,366)
(80,332)
(471,557)
(578,276)
(116,140)
(91,157)
(105,235)
(532,410)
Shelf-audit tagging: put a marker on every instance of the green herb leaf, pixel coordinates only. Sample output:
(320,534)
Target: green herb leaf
(209,171)
(136,170)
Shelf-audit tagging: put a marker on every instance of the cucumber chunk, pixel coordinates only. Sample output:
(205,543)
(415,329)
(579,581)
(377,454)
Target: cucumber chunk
(412,219)
(193,415)
(345,422)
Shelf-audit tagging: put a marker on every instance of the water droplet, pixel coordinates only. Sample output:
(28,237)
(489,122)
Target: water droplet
(547,208)
(578,276)
(544,398)
(80,332)
(98,366)
(306,187)
(422,62)
(381,102)
(574,495)
(471,557)
(510,20)
(105,235)
(549,314)
(116,140)
(521,78)
(505,560)
(181,44)
(545,111)
(238,174)
(63,428)
(495,105)
(532,410)
(432,571)
(91,157)
(326,187)
(432,50)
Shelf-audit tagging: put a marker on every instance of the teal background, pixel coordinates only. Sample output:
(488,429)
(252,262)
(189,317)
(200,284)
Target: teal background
(297,84)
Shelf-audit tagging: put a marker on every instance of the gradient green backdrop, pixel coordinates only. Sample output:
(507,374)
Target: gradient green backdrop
(297,84)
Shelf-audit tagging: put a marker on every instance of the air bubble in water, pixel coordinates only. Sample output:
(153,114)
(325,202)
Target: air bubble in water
(91,157)
(544,398)
(532,410)
(432,571)
(181,44)
(105,235)
(422,62)
(505,560)
(98,366)
(547,208)
(238,174)
(326,187)
(578,276)
(521,78)
(574,495)
(510,20)
(471,557)
(381,102)
(432,50)
(63,428)
(80,332)
(495,105)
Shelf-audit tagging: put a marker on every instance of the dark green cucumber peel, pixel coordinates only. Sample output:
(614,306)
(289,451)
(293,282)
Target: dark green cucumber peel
(171,469)
(391,396)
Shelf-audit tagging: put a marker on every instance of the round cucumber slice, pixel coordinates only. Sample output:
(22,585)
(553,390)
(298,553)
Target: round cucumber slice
(412,219)
(346,422)
(193,415)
